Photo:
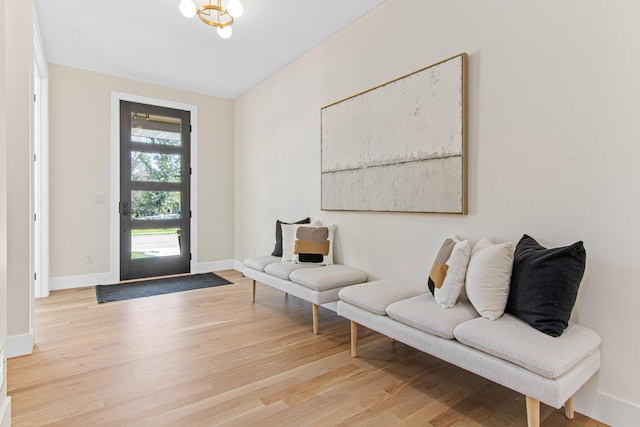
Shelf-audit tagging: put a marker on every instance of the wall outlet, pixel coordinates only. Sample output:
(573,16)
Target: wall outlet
(89,259)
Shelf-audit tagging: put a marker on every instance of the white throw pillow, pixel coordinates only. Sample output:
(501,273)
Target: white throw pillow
(289,237)
(447,294)
(489,276)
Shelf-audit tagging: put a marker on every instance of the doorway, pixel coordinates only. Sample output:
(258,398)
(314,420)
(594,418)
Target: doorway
(155,188)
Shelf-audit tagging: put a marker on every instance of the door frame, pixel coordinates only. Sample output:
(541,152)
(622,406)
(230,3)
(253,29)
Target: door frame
(144,267)
(39,173)
(114,216)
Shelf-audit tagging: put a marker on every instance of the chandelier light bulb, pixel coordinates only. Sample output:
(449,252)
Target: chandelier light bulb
(188,8)
(225,32)
(235,8)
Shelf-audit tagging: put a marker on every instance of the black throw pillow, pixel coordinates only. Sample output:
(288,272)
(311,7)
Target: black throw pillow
(277,250)
(544,284)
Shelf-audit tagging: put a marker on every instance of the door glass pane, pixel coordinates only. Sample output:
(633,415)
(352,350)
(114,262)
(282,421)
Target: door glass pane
(147,205)
(152,129)
(160,241)
(155,167)
(155,242)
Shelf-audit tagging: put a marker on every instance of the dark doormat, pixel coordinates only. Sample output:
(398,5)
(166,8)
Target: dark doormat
(146,288)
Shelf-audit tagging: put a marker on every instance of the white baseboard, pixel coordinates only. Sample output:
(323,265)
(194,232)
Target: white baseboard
(606,408)
(71,282)
(238,265)
(208,267)
(19,345)
(5,412)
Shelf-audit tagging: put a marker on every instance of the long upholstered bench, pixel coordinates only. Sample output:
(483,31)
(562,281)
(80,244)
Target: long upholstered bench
(511,326)
(317,284)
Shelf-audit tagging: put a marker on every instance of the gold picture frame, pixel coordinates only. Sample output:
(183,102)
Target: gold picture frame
(400,146)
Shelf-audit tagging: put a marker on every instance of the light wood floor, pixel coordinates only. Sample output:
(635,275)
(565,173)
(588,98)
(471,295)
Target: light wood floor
(210,357)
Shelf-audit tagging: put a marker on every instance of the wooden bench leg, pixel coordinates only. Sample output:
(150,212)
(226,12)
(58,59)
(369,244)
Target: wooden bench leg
(253,290)
(568,408)
(533,412)
(354,338)
(315,319)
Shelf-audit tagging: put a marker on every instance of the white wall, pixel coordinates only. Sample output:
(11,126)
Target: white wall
(18,74)
(553,103)
(80,138)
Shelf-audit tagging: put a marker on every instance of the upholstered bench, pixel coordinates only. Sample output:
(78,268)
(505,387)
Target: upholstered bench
(507,351)
(318,284)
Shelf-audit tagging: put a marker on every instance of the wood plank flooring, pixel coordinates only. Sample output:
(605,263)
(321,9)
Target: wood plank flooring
(209,357)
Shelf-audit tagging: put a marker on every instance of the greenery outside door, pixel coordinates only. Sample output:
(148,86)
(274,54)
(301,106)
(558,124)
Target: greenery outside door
(155,178)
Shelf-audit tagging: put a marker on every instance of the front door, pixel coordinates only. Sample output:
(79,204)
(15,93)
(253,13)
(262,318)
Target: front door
(155,178)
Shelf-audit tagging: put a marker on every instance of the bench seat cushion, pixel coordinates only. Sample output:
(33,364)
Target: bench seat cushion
(511,339)
(283,270)
(376,296)
(423,313)
(327,277)
(258,263)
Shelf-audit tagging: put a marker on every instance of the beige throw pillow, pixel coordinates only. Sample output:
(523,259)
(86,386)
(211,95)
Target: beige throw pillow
(489,276)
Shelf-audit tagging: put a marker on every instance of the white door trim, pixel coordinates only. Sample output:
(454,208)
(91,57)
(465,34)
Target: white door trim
(116,97)
(40,168)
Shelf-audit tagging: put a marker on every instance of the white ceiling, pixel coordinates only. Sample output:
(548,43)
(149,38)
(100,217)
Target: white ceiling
(150,40)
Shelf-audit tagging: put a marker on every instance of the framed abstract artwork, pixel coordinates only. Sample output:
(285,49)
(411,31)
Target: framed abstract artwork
(400,146)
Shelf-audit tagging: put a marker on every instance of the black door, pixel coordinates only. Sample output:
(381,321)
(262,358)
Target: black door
(155,176)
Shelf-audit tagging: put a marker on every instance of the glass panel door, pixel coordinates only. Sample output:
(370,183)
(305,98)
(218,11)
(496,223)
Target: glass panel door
(154,191)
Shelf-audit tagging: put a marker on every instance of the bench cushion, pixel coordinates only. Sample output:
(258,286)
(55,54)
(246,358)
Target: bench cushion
(258,263)
(511,339)
(423,313)
(327,277)
(376,296)
(283,270)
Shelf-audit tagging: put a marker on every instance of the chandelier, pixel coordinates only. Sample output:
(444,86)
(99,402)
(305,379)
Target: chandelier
(215,15)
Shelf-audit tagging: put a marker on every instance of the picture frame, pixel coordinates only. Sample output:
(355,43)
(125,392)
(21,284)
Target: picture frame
(400,146)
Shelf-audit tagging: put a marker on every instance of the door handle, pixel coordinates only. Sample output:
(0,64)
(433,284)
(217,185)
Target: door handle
(124,208)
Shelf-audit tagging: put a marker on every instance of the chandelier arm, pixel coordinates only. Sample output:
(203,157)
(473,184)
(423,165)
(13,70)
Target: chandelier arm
(205,11)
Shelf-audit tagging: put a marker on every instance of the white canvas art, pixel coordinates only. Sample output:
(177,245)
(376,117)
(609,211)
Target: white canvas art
(400,146)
